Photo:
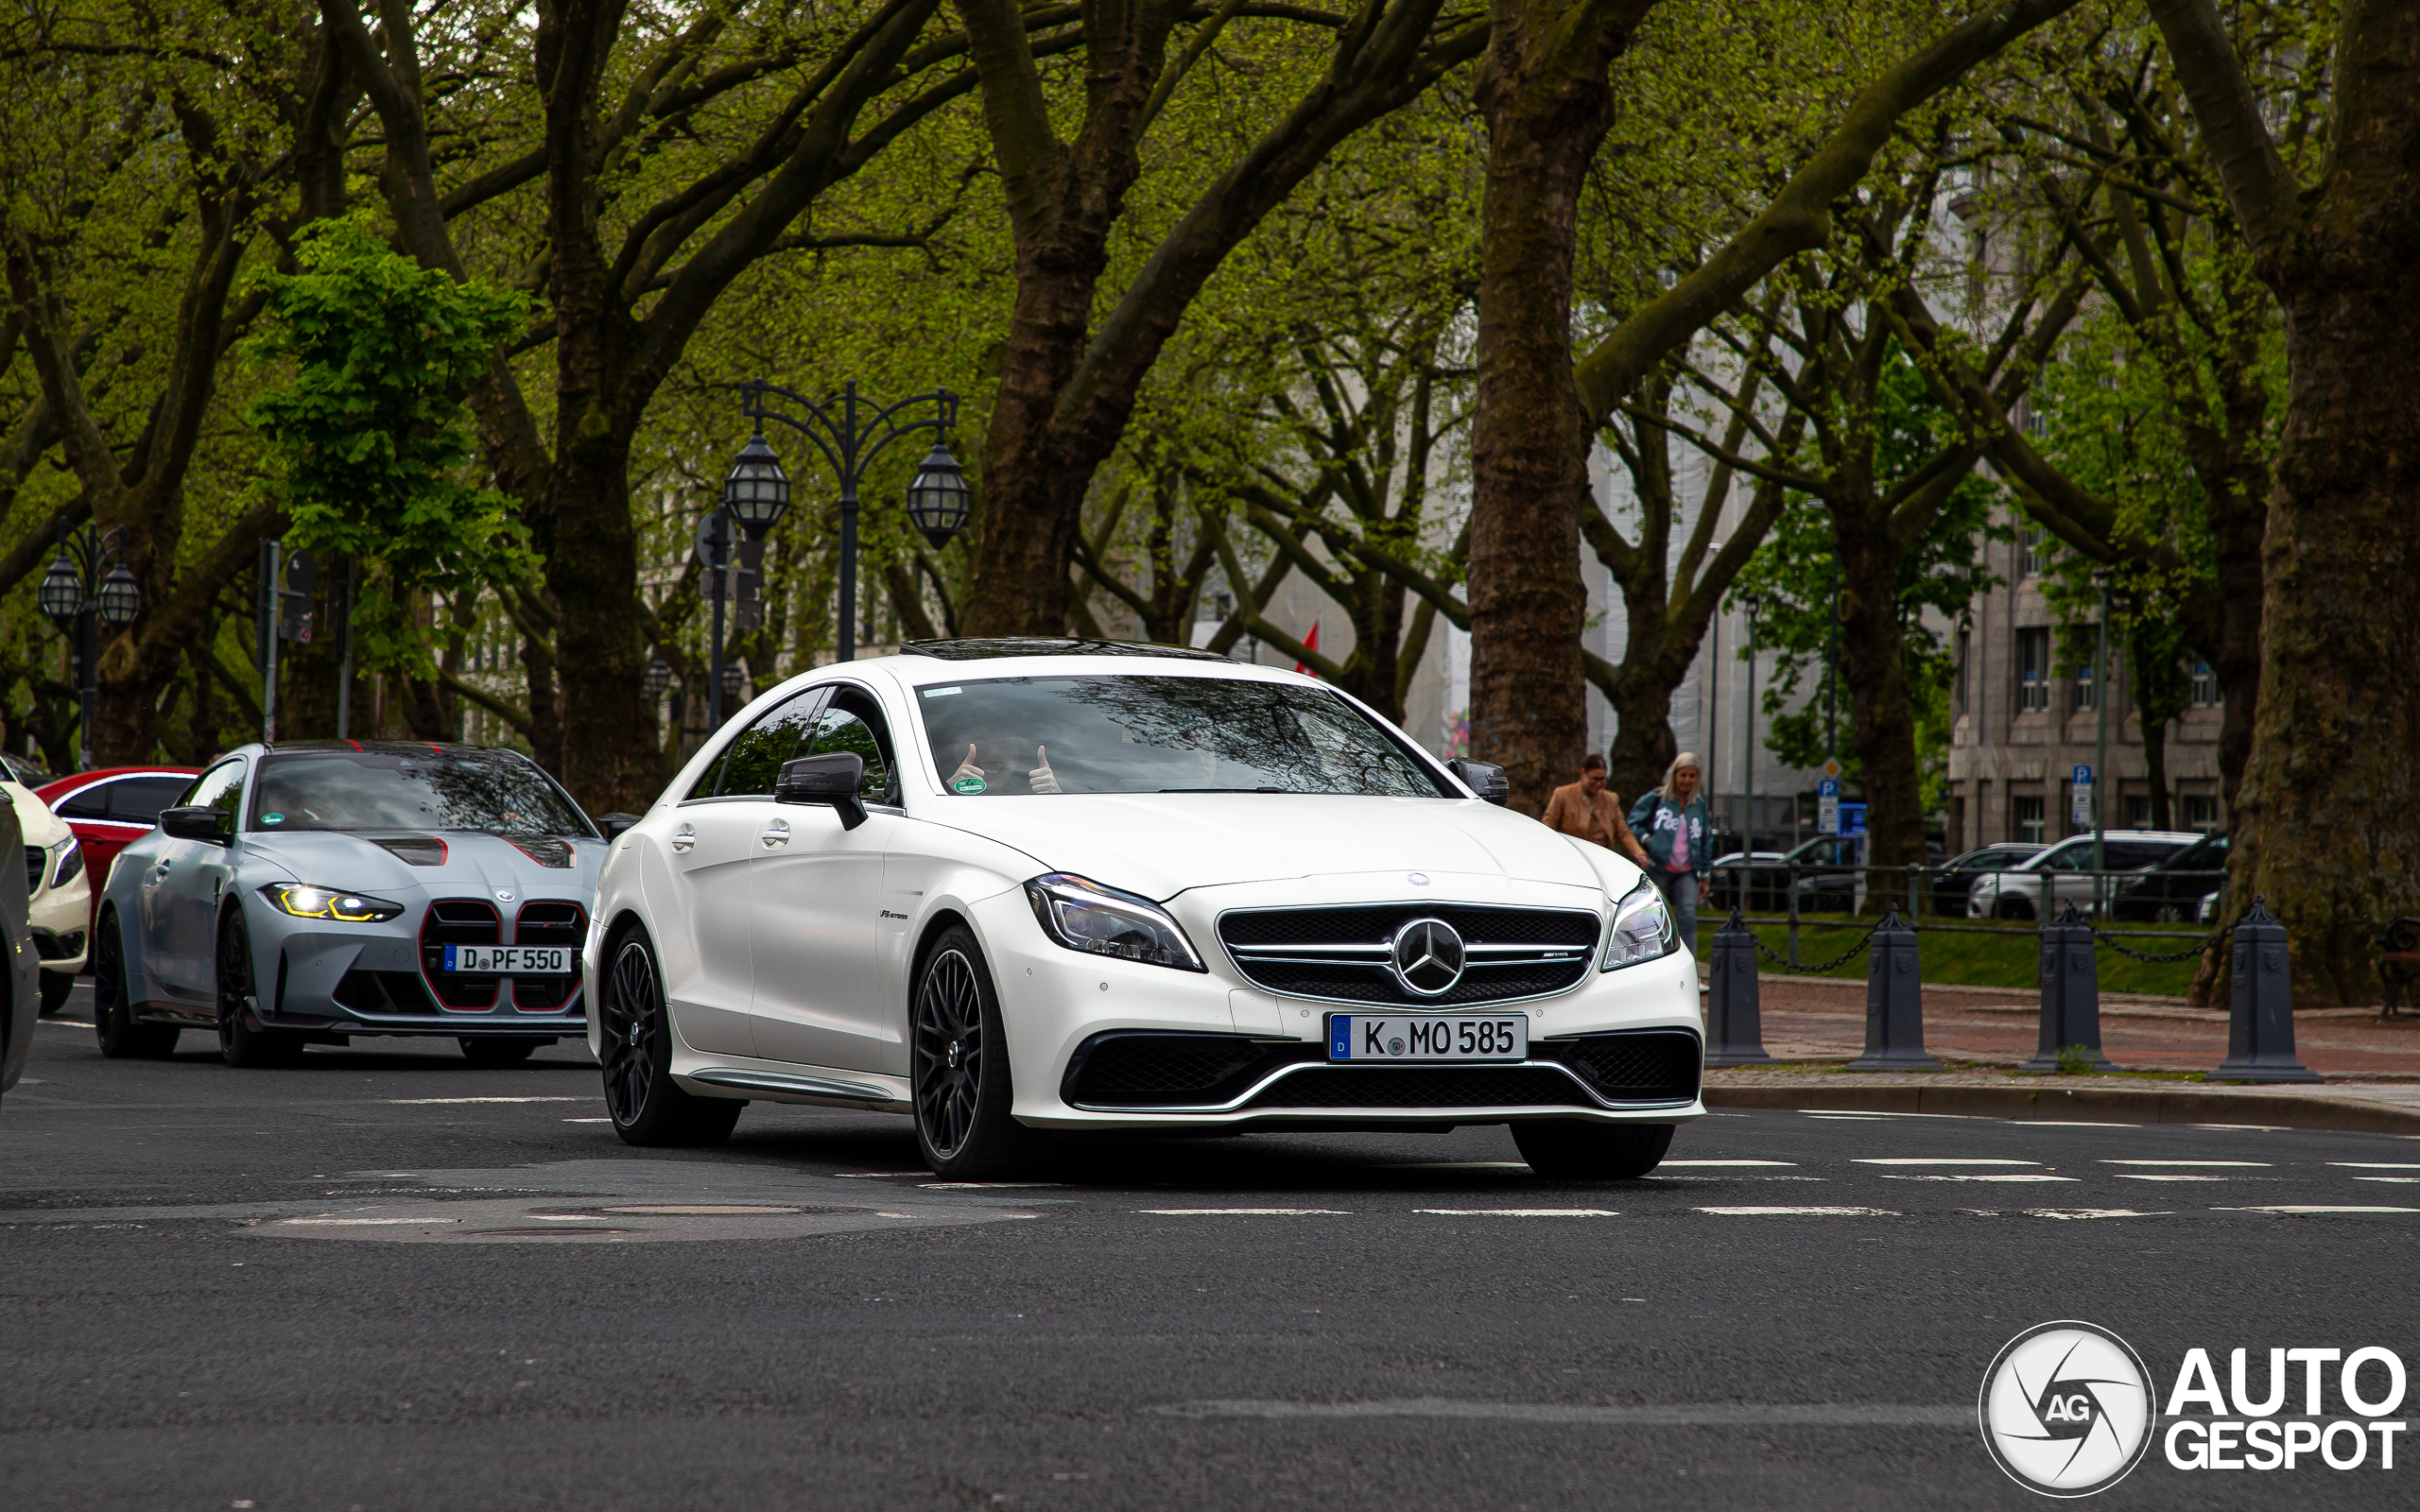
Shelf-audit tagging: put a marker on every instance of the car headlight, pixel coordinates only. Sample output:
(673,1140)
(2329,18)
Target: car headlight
(304,901)
(1084,916)
(67,862)
(1642,931)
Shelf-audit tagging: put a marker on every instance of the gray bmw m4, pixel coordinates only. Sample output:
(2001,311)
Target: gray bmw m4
(317,891)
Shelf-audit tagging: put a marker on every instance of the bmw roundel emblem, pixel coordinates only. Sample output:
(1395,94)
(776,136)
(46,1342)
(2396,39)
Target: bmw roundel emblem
(504,895)
(1426,955)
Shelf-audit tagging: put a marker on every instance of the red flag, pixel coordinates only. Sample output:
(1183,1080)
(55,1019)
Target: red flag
(1310,642)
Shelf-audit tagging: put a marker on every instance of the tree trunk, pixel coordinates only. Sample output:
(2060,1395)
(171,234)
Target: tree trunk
(1644,744)
(1548,102)
(1873,667)
(2156,772)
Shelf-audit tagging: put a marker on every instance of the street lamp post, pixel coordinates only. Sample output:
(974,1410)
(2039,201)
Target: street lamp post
(1748,737)
(850,433)
(89,586)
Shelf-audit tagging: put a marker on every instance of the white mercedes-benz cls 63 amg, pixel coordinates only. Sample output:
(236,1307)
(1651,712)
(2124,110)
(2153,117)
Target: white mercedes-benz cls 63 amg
(1019,887)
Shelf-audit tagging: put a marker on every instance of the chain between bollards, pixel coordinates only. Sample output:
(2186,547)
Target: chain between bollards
(2217,939)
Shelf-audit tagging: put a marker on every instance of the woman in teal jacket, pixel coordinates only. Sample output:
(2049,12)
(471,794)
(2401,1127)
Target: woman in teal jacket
(1672,822)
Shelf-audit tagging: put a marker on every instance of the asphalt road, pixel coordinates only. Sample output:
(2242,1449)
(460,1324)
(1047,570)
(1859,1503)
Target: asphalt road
(384,1279)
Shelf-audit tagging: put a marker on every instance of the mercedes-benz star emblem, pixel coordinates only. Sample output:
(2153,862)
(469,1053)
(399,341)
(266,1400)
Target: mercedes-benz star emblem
(1427,958)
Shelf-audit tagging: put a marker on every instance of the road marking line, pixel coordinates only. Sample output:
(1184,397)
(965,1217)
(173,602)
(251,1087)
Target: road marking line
(1708,1415)
(2155,1176)
(1727,1162)
(434,1101)
(2070,1123)
(1802,1213)
(982,1186)
(372,1223)
(1244,1213)
(2378,1165)
(2313,1207)
(2404,1179)
(2187,1162)
(1462,1165)
(2264,1128)
(2091,1212)
(588,1120)
(2031,1176)
(1522,1213)
(1926,1160)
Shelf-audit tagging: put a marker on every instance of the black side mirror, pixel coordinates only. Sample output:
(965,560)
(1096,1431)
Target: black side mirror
(1483,778)
(613,824)
(200,822)
(832,780)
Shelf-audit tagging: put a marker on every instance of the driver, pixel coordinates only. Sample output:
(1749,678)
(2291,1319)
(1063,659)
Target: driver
(975,778)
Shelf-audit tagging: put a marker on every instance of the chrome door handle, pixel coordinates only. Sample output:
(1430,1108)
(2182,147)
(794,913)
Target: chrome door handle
(777,833)
(682,838)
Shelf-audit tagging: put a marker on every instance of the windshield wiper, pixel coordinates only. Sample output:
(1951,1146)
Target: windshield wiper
(1234,790)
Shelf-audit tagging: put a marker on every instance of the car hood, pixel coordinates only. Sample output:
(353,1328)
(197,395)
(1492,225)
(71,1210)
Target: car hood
(1162,844)
(451,863)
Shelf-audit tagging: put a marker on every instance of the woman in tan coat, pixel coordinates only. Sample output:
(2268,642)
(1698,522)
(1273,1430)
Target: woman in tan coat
(1590,810)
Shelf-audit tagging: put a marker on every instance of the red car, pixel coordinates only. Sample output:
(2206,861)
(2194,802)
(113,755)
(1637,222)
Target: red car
(110,809)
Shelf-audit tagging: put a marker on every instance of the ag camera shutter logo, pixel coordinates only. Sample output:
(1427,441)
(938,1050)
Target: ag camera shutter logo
(2067,1409)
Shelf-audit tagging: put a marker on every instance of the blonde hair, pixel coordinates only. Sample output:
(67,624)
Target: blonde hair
(1686,758)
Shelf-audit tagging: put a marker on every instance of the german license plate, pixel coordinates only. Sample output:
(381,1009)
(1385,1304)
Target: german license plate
(1421,1036)
(509,960)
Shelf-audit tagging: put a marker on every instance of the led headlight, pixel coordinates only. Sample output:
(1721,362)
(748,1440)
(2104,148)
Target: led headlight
(1084,916)
(304,901)
(67,862)
(1642,929)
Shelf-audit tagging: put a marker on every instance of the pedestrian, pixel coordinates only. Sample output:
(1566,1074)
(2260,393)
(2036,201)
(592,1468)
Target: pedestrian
(1679,833)
(1588,810)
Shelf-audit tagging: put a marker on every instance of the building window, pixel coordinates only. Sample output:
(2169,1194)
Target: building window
(2204,692)
(2201,813)
(2087,685)
(2033,553)
(2138,811)
(2033,670)
(1965,655)
(2026,816)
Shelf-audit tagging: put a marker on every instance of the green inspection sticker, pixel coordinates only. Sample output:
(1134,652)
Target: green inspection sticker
(967,784)
(273,818)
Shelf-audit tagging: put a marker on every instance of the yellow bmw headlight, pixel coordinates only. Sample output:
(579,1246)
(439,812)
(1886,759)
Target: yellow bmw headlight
(304,900)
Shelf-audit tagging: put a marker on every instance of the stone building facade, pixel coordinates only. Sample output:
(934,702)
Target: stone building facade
(2019,729)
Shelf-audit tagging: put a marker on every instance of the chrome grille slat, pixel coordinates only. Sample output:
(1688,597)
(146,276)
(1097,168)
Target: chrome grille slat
(1339,954)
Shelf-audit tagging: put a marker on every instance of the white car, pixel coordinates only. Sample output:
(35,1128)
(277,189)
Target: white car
(1013,886)
(2065,875)
(60,891)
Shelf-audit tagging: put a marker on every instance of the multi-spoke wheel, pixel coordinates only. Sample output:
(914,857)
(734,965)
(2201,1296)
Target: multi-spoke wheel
(113,1024)
(960,1072)
(242,1040)
(1592,1152)
(648,1108)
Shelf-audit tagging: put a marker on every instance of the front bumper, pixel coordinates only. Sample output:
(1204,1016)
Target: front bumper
(1057,1006)
(367,979)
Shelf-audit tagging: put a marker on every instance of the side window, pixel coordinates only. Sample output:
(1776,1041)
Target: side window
(87,802)
(749,764)
(2069,858)
(139,799)
(854,724)
(220,788)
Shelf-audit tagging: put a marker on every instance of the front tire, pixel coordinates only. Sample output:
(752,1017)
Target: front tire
(56,985)
(495,1052)
(242,1040)
(114,1026)
(1569,1150)
(2012,908)
(959,1073)
(649,1110)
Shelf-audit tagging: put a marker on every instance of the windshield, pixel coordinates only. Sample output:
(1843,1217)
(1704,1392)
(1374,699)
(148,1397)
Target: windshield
(494,791)
(1160,734)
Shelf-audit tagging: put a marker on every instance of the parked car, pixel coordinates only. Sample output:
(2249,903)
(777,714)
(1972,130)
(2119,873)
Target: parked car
(1752,879)
(108,808)
(2171,892)
(58,894)
(23,770)
(1124,889)
(1951,883)
(2064,869)
(19,987)
(318,890)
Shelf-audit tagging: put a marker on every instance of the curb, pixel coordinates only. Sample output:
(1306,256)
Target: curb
(2117,1105)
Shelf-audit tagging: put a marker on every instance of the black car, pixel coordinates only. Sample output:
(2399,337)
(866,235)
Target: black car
(1950,882)
(2171,891)
(20,992)
(1765,876)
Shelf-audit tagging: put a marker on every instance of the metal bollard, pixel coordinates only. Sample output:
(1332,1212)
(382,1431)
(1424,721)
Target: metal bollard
(1894,1004)
(2260,1027)
(1734,1034)
(2070,993)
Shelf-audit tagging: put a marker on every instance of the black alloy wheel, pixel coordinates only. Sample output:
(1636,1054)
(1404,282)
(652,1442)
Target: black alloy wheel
(649,1110)
(1571,1150)
(959,1067)
(242,1040)
(113,1024)
(497,1051)
(2012,908)
(56,985)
